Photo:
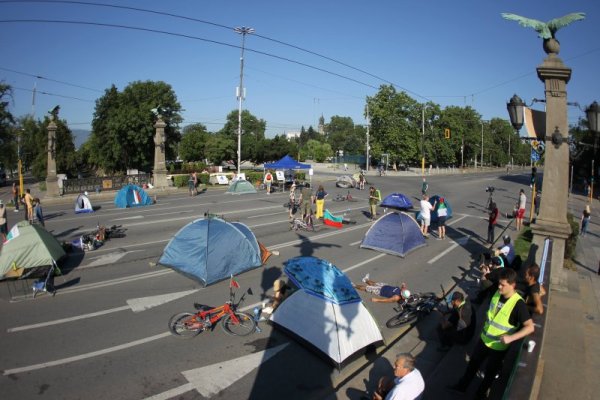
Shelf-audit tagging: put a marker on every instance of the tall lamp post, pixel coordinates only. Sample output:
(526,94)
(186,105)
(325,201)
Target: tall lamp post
(242,30)
(591,114)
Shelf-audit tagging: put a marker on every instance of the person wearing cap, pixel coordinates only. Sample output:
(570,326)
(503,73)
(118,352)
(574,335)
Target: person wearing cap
(507,250)
(458,324)
(386,293)
(3,221)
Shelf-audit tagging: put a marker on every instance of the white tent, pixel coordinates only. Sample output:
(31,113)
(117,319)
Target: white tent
(83,205)
(338,330)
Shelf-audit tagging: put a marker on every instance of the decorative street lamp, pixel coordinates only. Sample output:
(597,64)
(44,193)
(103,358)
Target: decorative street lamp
(515,110)
(242,30)
(591,114)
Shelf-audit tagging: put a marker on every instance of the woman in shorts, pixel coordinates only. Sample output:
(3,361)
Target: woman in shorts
(442,213)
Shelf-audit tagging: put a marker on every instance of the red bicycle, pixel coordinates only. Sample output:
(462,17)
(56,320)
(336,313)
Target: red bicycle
(187,325)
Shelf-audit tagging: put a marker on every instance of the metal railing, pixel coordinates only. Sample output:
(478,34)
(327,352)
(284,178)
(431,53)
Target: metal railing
(71,186)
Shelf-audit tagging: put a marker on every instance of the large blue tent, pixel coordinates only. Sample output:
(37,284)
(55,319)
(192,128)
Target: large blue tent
(210,249)
(395,233)
(287,162)
(132,196)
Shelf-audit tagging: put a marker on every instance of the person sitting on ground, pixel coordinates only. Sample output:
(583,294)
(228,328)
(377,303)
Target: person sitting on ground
(458,324)
(408,382)
(280,292)
(386,293)
(508,250)
(532,291)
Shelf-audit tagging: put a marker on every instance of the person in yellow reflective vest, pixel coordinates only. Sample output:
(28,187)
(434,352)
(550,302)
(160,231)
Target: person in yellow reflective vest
(507,320)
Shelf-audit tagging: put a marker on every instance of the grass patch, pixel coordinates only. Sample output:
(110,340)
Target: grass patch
(523,243)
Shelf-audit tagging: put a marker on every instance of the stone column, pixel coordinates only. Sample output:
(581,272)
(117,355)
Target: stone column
(160,169)
(552,221)
(51,178)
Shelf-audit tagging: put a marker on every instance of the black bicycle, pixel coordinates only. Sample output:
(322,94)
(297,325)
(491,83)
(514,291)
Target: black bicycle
(412,309)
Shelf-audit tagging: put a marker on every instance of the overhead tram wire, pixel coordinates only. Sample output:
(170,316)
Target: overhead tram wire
(224,27)
(51,80)
(53,94)
(50,21)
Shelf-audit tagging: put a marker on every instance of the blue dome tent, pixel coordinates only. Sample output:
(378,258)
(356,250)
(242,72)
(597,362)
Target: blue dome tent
(395,233)
(208,250)
(397,201)
(132,196)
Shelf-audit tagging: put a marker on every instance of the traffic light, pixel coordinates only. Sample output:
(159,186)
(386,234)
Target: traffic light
(533,173)
(447,133)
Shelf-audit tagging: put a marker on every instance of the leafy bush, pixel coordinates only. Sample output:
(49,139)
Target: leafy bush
(571,242)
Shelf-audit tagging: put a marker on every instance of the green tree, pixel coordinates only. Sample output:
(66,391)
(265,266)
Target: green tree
(123,126)
(338,131)
(7,132)
(220,148)
(193,142)
(253,132)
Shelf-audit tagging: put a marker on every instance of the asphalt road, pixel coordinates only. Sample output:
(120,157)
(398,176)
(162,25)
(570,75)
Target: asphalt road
(104,335)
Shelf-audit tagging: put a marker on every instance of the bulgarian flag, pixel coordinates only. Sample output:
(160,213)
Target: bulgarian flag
(233,283)
(331,220)
(136,197)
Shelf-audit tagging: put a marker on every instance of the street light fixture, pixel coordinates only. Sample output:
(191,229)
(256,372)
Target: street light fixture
(242,30)
(515,110)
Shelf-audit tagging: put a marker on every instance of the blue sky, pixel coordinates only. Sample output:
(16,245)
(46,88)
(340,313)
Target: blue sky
(450,52)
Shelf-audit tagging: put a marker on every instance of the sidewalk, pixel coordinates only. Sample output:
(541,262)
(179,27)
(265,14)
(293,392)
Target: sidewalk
(569,356)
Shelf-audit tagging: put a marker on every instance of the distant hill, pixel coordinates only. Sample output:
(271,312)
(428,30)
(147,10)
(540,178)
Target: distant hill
(80,136)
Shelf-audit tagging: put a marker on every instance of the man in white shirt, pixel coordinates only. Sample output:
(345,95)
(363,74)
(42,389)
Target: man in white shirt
(508,250)
(426,208)
(408,383)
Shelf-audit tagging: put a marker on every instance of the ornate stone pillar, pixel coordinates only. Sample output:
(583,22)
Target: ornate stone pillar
(160,169)
(51,178)
(552,221)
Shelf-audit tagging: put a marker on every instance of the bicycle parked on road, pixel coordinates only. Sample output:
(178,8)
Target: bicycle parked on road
(416,306)
(305,224)
(187,325)
(347,197)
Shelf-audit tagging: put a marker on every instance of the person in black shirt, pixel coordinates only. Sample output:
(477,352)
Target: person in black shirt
(458,325)
(532,291)
(507,321)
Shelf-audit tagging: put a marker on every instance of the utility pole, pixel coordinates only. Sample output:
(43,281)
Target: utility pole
(481,144)
(423,141)
(368,124)
(240,93)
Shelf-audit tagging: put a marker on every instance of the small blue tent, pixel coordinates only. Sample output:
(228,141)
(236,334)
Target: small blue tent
(395,233)
(132,196)
(434,216)
(397,201)
(210,249)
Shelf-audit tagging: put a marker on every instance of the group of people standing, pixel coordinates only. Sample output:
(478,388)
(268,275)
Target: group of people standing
(32,207)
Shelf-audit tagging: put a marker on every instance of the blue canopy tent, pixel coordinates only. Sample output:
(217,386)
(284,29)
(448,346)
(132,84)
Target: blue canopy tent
(287,162)
(434,215)
(397,201)
(132,196)
(395,233)
(210,249)
(326,312)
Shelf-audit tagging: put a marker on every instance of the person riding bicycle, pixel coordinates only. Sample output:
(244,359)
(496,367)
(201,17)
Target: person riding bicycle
(386,293)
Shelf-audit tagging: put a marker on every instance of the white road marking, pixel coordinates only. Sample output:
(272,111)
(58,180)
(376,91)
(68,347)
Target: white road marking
(145,303)
(355,243)
(455,244)
(360,264)
(263,215)
(128,218)
(80,357)
(110,258)
(65,320)
(456,220)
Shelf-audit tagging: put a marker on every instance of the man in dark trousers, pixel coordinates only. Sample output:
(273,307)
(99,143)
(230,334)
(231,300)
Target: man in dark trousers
(507,320)
(458,324)
(492,220)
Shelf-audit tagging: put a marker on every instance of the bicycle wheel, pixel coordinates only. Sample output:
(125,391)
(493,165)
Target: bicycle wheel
(405,317)
(245,325)
(185,325)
